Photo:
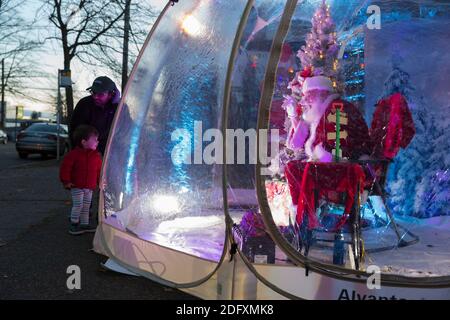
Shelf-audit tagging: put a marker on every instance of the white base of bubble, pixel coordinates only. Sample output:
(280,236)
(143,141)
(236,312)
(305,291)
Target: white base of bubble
(204,237)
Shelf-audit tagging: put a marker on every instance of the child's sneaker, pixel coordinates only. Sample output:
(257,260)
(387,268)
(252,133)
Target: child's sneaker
(75,229)
(87,228)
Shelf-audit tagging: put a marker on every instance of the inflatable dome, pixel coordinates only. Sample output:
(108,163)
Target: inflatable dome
(275,149)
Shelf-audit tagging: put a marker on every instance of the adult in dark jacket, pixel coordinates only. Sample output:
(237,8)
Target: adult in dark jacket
(97,110)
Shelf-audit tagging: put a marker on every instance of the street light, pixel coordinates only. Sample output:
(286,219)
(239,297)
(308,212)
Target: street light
(191,26)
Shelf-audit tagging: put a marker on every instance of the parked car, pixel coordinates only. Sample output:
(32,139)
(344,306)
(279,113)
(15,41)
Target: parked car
(41,138)
(3,137)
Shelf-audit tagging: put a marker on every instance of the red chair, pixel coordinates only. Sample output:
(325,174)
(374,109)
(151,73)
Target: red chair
(392,128)
(338,183)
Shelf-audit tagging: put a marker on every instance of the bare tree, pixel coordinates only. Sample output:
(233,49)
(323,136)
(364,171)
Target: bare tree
(79,25)
(117,50)
(20,70)
(15,48)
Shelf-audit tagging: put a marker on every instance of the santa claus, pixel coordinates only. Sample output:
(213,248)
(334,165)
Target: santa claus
(330,128)
(298,129)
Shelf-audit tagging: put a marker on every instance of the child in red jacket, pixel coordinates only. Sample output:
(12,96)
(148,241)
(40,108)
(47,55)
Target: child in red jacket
(80,173)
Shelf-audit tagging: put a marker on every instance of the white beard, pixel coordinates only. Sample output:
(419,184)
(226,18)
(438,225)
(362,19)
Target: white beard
(317,109)
(313,116)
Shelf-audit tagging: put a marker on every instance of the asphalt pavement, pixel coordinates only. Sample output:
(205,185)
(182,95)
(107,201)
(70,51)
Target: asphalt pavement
(36,249)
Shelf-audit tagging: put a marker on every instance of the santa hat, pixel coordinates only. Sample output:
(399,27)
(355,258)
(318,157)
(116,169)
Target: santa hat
(317,83)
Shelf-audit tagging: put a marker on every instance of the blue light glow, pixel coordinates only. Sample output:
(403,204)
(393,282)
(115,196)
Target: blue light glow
(356,97)
(360,73)
(134,144)
(354,81)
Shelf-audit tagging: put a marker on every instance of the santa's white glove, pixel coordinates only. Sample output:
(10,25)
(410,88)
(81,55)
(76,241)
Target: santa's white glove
(322,155)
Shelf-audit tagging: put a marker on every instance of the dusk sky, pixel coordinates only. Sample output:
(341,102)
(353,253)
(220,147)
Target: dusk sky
(49,59)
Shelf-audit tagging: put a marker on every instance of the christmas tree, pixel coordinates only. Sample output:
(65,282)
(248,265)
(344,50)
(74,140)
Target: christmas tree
(411,164)
(318,57)
(433,196)
(321,48)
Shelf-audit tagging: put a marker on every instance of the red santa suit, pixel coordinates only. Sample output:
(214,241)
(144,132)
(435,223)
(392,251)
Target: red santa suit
(322,117)
(319,143)
(354,133)
(329,178)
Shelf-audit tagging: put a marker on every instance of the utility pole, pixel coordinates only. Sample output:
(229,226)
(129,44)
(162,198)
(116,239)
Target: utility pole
(15,124)
(126,37)
(58,116)
(3,110)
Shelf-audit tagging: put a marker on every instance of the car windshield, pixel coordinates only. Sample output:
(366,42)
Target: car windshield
(43,127)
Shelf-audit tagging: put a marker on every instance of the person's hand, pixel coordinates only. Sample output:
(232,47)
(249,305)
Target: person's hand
(68,185)
(102,186)
(321,155)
